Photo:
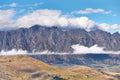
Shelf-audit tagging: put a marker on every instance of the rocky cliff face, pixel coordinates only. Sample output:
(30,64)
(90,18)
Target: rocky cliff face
(38,38)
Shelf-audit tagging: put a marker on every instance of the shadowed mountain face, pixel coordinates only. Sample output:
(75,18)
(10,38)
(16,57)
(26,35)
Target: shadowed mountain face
(26,68)
(38,38)
(103,62)
(80,59)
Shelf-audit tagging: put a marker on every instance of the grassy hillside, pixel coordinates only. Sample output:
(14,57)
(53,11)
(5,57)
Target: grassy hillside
(26,68)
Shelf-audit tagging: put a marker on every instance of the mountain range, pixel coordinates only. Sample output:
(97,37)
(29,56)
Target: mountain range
(41,38)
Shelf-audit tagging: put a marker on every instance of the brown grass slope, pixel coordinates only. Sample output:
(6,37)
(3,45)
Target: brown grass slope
(21,67)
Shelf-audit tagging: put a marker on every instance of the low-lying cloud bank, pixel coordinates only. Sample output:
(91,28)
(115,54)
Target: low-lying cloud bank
(49,18)
(78,49)
(13,52)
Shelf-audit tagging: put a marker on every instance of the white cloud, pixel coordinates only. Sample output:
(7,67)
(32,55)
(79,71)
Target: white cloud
(6,19)
(6,14)
(91,10)
(42,17)
(54,18)
(50,18)
(13,5)
(107,27)
(13,52)
(79,49)
(82,22)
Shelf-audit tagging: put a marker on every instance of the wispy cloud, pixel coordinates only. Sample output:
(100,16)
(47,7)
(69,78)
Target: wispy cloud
(26,5)
(21,10)
(34,4)
(13,4)
(77,49)
(38,4)
(9,5)
(91,10)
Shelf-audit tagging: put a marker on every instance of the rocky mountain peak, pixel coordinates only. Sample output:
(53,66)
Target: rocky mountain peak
(54,39)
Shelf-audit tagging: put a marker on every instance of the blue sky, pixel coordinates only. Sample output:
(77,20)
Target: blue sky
(67,7)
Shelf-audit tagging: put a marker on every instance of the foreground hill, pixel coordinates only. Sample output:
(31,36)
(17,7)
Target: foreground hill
(40,38)
(26,68)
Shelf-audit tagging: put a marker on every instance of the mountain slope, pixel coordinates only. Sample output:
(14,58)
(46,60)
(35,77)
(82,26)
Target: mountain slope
(26,68)
(80,59)
(105,62)
(40,38)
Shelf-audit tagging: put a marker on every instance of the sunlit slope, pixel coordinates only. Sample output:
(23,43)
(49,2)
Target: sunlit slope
(26,68)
